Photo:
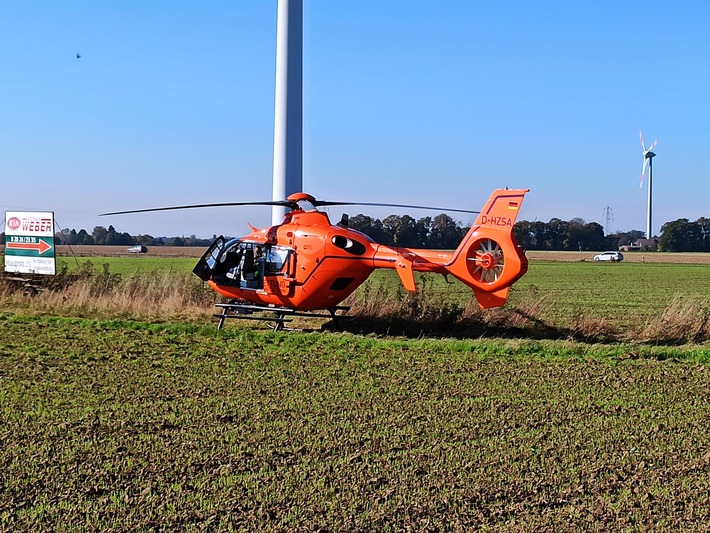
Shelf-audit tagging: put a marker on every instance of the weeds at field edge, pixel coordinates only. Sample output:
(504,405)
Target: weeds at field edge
(379,308)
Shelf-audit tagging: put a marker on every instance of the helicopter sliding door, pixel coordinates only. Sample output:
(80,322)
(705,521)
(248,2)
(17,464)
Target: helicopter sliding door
(205,266)
(225,262)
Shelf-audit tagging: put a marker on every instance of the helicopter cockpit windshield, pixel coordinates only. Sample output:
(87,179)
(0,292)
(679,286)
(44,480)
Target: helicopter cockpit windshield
(242,264)
(305,205)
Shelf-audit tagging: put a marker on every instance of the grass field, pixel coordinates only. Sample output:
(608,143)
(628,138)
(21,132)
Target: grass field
(570,286)
(626,294)
(121,425)
(122,418)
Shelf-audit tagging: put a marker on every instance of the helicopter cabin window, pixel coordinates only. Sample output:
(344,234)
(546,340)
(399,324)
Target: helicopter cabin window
(244,264)
(276,260)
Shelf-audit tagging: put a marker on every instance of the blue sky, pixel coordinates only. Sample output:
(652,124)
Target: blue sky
(404,102)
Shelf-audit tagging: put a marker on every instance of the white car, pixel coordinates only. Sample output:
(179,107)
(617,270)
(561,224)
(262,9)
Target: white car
(609,256)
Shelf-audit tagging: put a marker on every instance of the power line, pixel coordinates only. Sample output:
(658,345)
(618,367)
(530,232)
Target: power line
(608,217)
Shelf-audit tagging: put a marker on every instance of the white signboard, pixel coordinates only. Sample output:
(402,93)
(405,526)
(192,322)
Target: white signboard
(29,242)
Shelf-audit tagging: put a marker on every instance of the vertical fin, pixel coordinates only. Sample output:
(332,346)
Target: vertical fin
(487,300)
(489,259)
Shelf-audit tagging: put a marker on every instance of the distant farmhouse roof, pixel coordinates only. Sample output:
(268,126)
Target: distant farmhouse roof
(639,244)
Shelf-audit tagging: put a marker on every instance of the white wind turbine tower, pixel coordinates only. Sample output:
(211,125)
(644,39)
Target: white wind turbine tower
(648,156)
(288,109)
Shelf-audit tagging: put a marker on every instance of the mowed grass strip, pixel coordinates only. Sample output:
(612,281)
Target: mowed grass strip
(626,295)
(642,301)
(130,265)
(124,425)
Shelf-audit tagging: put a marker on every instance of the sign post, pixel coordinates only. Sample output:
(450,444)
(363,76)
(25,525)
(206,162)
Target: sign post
(29,242)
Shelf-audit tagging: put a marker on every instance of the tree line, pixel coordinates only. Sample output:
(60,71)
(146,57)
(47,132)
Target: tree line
(110,237)
(439,232)
(684,236)
(575,234)
(442,231)
(559,235)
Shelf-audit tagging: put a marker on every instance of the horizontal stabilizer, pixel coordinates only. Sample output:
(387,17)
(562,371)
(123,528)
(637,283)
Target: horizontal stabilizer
(406,272)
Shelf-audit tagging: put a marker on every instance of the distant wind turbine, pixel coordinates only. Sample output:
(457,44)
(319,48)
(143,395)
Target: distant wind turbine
(648,156)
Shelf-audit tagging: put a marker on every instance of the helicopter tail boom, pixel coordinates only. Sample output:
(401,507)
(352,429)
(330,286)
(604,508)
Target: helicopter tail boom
(489,259)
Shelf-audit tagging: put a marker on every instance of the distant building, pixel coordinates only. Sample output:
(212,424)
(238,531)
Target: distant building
(641,245)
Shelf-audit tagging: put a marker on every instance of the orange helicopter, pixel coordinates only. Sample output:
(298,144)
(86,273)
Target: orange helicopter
(306,264)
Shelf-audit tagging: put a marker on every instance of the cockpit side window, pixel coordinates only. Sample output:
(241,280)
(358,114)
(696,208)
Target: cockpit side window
(276,259)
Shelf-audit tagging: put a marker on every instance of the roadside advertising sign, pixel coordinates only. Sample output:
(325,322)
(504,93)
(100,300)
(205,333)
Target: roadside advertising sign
(29,242)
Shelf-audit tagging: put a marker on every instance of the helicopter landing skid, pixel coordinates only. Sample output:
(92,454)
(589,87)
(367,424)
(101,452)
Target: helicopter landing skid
(281,315)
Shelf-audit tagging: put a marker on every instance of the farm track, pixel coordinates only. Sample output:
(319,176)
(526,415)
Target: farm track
(629,257)
(197,251)
(122,251)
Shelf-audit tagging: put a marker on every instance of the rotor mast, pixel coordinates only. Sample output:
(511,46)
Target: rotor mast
(288,109)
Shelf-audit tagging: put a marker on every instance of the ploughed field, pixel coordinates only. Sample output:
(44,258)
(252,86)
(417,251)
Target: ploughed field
(122,251)
(197,251)
(629,257)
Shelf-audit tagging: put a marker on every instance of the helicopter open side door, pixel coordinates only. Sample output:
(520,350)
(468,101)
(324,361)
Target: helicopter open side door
(207,263)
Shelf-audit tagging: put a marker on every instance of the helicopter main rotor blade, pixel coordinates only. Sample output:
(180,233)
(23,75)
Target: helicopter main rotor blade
(326,203)
(283,203)
(293,204)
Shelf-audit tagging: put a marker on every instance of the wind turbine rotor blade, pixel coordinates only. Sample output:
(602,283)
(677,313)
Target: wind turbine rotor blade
(653,145)
(643,145)
(643,171)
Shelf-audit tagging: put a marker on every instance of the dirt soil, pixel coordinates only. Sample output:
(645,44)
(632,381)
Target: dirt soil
(629,257)
(535,255)
(119,251)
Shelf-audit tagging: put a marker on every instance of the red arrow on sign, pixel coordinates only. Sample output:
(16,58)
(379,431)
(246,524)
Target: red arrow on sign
(40,246)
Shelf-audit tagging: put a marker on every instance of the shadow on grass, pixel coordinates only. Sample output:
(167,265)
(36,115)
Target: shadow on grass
(533,328)
(467,328)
